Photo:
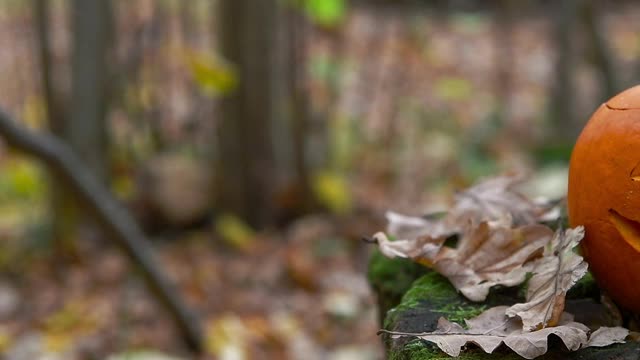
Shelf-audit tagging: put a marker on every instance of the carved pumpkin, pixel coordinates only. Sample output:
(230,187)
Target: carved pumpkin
(604,196)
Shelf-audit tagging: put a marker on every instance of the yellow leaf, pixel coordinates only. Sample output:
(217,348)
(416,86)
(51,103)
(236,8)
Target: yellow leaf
(235,232)
(65,326)
(5,340)
(332,190)
(21,178)
(453,88)
(213,75)
(226,338)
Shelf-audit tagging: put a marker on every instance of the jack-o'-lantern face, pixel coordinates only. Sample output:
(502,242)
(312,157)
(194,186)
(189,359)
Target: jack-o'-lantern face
(604,196)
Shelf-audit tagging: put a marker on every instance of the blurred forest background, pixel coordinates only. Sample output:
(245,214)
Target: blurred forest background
(250,144)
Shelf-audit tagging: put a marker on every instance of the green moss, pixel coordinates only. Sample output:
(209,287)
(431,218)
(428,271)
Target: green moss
(421,350)
(391,278)
(392,275)
(418,350)
(585,288)
(461,311)
(442,298)
(432,286)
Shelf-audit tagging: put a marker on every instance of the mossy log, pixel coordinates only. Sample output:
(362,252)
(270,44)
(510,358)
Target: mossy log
(431,296)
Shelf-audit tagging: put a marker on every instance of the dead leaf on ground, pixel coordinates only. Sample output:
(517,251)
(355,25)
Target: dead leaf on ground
(553,275)
(422,250)
(495,198)
(493,327)
(493,253)
(498,234)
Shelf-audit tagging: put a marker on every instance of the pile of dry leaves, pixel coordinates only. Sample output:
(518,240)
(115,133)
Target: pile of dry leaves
(500,240)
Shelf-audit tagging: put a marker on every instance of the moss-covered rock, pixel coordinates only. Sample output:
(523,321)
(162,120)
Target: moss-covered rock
(432,296)
(421,350)
(390,279)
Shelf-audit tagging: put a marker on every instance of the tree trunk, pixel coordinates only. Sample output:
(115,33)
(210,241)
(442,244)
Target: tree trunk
(85,129)
(249,38)
(296,31)
(601,54)
(503,31)
(62,218)
(561,109)
(53,102)
(81,125)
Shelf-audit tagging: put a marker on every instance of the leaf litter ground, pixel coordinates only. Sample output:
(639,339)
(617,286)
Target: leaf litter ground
(298,295)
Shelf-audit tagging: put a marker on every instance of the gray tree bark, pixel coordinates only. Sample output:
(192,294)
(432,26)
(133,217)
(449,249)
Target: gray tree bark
(601,54)
(85,129)
(561,105)
(63,220)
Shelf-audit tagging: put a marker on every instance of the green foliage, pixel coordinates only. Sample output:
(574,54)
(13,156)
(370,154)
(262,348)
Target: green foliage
(553,153)
(21,180)
(328,13)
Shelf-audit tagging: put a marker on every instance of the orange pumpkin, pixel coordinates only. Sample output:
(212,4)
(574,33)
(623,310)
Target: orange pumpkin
(604,196)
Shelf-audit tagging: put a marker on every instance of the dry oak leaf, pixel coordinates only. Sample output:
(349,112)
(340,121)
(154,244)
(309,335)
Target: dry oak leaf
(420,238)
(495,198)
(492,253)
(421,250)
(411,227)
(553,275)
(490,200)
(492,328)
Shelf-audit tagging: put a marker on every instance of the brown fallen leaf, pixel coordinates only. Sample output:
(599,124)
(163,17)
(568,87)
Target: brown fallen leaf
(492,253)
(411,227)
(495,198)
(553,275)
(489,200)
(493,328)
(422,250)
(498,236)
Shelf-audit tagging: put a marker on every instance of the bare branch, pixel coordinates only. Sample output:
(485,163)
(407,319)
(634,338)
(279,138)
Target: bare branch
(96,199)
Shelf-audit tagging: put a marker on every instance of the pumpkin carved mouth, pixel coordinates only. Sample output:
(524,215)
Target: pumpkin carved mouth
(635,172)
(628,229)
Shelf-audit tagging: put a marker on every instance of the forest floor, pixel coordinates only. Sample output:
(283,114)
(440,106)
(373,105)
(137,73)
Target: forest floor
(421,92)
(300,294)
